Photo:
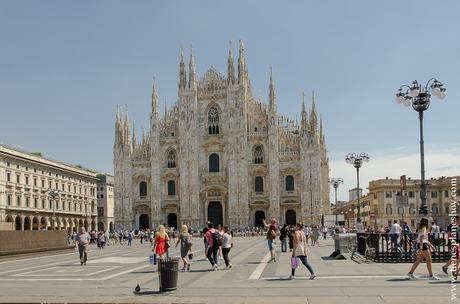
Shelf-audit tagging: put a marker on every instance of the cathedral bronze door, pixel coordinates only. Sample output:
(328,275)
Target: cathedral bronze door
(215,214)
(144,222)
(290,217)
(172,220)
(259,218)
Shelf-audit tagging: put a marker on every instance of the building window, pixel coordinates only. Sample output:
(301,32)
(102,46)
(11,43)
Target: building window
(50,204)
(400,210)
(43,183)
(35,181)
(446,193)
(18,201)
(27,202)
(213,120)
(35,203)
(289,180)
(8,177)
(388,194)
(100,211)
(142,189)
(43,203)
(8,200)
(446,209)
(92,207)
(7,164)
(434,194)
(389,210)
(411,194)
(435,209)
(214,163)
(171,159)
(102,195)
(49,184)
(412,209)
(171,187)
(259,184)
(18,179)
(258,155)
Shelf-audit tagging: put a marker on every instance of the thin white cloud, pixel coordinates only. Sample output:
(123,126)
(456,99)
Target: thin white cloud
(440,160)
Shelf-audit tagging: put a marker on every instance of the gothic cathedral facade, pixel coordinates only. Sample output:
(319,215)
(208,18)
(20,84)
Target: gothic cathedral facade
(220,154)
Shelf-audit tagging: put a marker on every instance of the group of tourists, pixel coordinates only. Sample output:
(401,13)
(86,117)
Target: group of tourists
(298,248)
(217,244)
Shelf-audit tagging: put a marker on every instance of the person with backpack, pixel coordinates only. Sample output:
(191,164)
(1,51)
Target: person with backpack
(271,235)
(213,240)
(185,240)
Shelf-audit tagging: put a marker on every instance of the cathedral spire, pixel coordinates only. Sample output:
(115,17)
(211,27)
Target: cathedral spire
(166,110)
(134,140)
(271,94)
(313,116)
(241,65)
(192,71)
(154,98)
(304,121)
(182,76)
(230,68)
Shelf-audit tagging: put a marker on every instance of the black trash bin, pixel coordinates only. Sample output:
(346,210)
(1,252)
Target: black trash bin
(168,269)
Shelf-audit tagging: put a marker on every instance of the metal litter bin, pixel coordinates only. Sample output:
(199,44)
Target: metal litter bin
(168,269)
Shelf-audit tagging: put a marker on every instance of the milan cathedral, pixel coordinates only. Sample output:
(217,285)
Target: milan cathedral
(220,154)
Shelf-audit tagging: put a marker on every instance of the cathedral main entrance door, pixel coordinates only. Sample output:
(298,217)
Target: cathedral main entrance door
(215,214)
(259,219)
(172,220)
(290,217)
(144,222)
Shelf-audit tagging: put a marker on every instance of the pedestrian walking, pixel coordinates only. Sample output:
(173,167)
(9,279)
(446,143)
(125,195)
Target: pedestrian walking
(185,241)
(300,251)
(130,238)
(453,233)
(212,238)
(227,245)
(271,235)
(161,242)
(424,251)
(284,237)
(83,239)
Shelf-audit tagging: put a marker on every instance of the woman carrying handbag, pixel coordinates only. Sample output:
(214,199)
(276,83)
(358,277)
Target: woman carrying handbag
(300,252)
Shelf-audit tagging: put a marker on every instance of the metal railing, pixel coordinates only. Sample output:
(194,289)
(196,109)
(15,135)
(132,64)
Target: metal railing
(403,250)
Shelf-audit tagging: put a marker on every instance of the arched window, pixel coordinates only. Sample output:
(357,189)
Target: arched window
(258,155)
(171,187)
(213,120)
(171,159)
(213,162)
(289,183)
(142,189)
(259,184)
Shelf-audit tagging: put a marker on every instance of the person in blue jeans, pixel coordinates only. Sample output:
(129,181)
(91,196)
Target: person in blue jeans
(130,238)
(300,250)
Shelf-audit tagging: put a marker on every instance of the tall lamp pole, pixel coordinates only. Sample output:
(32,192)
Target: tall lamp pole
(53,195)
(335,182)
(357,161)
(419,97)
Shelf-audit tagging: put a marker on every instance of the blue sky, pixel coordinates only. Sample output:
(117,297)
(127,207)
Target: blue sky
(66,65)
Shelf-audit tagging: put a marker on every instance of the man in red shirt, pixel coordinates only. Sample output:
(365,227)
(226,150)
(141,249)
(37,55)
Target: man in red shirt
(211,236)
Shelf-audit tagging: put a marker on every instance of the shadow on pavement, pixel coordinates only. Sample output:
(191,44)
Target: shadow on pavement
(148,293)
(399,279)
(278,279)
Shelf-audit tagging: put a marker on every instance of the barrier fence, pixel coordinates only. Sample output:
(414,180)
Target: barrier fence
(386,248)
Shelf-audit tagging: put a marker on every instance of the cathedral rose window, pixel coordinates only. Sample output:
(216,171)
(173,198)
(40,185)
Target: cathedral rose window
(213,120)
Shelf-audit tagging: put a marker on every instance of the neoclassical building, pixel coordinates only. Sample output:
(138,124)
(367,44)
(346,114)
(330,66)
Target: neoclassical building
(220,154)
(25,183)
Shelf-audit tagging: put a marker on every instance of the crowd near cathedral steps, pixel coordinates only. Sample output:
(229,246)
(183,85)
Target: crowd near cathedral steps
(222,155)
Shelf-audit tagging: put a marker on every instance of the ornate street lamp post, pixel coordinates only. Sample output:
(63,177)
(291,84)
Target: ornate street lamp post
(335,182)
(357,161)
(53,195)
(419,97)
